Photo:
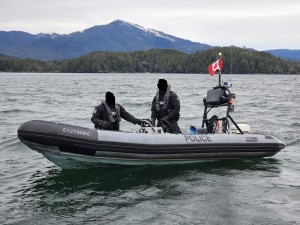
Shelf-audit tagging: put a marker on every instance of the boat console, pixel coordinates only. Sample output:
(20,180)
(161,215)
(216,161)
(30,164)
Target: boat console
(148,128)
(219,96)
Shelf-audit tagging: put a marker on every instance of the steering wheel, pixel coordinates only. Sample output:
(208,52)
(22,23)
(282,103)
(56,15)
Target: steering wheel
(166,126)
(146,123)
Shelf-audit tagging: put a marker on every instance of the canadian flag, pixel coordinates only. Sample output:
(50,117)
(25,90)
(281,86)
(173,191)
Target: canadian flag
(217,65)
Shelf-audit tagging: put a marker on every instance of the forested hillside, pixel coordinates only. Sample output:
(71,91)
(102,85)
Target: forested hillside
(235,60)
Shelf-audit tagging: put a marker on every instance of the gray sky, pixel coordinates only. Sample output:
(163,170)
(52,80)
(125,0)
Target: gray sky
(258,24)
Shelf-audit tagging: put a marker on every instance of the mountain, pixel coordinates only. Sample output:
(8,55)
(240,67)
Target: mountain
(287,54)
(117,36)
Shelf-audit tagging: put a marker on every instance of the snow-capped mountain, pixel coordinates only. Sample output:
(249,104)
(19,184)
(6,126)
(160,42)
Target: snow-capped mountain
(117,36)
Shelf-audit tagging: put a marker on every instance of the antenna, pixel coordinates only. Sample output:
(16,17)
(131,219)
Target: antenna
(220,73)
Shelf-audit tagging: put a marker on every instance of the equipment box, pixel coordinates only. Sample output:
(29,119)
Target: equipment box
(216,97)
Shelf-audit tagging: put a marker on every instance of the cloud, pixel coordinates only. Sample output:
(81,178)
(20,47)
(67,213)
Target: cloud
(260,24)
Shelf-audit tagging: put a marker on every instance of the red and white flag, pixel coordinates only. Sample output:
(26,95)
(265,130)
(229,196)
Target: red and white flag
(217,65)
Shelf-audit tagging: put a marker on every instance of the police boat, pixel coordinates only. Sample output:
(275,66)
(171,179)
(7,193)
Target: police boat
(70,146)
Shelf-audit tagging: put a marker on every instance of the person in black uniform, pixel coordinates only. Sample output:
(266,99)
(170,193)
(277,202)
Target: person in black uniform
(166,106)
(108,114)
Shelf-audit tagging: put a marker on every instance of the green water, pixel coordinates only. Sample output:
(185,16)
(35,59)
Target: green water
(261,191)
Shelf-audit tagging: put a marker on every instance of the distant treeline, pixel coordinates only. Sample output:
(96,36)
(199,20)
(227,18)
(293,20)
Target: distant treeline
(235,60)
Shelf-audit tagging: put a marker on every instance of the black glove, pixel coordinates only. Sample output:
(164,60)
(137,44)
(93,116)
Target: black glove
(139,122)
(104,124)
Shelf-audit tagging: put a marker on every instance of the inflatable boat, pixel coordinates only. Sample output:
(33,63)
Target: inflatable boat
(218,138)
(73,147)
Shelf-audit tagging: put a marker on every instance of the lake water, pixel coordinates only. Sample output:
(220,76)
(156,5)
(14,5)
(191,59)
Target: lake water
(260,191)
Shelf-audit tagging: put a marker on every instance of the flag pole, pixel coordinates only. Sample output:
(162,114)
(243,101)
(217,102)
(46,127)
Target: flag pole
(220,72)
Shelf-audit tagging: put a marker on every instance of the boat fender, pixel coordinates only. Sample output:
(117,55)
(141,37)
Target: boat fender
(231,102)
(218,127)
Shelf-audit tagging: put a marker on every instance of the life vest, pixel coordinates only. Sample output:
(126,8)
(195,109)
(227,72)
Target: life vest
(163,105)
(112,116)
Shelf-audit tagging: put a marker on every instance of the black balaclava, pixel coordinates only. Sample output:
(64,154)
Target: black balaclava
(162,84)
(110,98)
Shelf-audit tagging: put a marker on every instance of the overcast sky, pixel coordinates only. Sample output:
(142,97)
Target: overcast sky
(258,24)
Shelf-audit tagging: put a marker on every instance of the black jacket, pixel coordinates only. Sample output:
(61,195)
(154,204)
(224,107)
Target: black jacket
(100,115)
(172,111)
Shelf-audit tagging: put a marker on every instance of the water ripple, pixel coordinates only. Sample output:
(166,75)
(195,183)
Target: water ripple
(34,191)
